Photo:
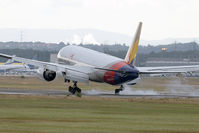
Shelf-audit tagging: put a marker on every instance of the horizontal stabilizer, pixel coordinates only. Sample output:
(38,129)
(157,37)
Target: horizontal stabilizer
(161,72)
(119,71)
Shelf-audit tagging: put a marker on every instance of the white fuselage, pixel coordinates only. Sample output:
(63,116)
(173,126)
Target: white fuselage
(84,56)
(76,55)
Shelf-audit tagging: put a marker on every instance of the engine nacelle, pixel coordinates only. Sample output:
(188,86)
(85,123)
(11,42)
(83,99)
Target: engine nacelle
(46,75)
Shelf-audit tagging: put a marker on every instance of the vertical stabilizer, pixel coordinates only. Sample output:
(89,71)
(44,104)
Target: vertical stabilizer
(132,51)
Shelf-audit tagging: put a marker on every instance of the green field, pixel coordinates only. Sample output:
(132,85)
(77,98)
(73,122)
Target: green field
(158,84)
(36,114)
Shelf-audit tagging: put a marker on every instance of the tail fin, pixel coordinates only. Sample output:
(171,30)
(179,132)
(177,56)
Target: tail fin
(131,54)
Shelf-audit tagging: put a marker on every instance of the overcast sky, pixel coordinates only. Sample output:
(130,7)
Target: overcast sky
(161,18)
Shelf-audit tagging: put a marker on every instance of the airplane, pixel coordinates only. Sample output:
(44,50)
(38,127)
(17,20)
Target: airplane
(84,65)
(11,66)
(15,65)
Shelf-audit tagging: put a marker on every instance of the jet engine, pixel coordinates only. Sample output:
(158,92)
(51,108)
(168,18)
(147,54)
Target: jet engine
(46,75)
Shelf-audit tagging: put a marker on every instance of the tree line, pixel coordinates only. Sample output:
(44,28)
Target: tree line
(43,51)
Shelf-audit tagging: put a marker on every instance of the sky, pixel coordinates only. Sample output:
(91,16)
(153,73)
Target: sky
(161,18)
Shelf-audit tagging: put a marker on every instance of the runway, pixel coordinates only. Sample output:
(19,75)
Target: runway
(100,94)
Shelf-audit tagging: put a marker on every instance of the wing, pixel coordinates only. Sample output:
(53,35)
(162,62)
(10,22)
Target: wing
(76,73)
(171,69)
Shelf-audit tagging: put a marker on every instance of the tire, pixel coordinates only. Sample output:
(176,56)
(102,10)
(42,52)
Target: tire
(78,89)
(71,90)
(117,91)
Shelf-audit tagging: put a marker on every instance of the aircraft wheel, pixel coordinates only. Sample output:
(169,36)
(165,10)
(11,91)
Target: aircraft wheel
(117,91)
(78,92)
(77,89)
(71,90)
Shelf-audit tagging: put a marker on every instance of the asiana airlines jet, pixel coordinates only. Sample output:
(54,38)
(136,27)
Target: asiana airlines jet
(84,65)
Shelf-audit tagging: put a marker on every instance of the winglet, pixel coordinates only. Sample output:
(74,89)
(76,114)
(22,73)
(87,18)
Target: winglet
(6,56)
(132,51)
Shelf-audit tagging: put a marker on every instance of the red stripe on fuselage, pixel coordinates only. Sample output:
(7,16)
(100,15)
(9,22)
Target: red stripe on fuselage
(109,75)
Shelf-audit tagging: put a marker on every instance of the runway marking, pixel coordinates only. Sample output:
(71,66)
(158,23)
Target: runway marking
(65,93)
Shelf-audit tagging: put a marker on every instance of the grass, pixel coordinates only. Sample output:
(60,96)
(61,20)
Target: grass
(36,114)
(152,83)
(49,114)
(35,83)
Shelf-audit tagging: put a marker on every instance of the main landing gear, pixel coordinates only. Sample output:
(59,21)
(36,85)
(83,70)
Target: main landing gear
(117,91)
(75,90)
